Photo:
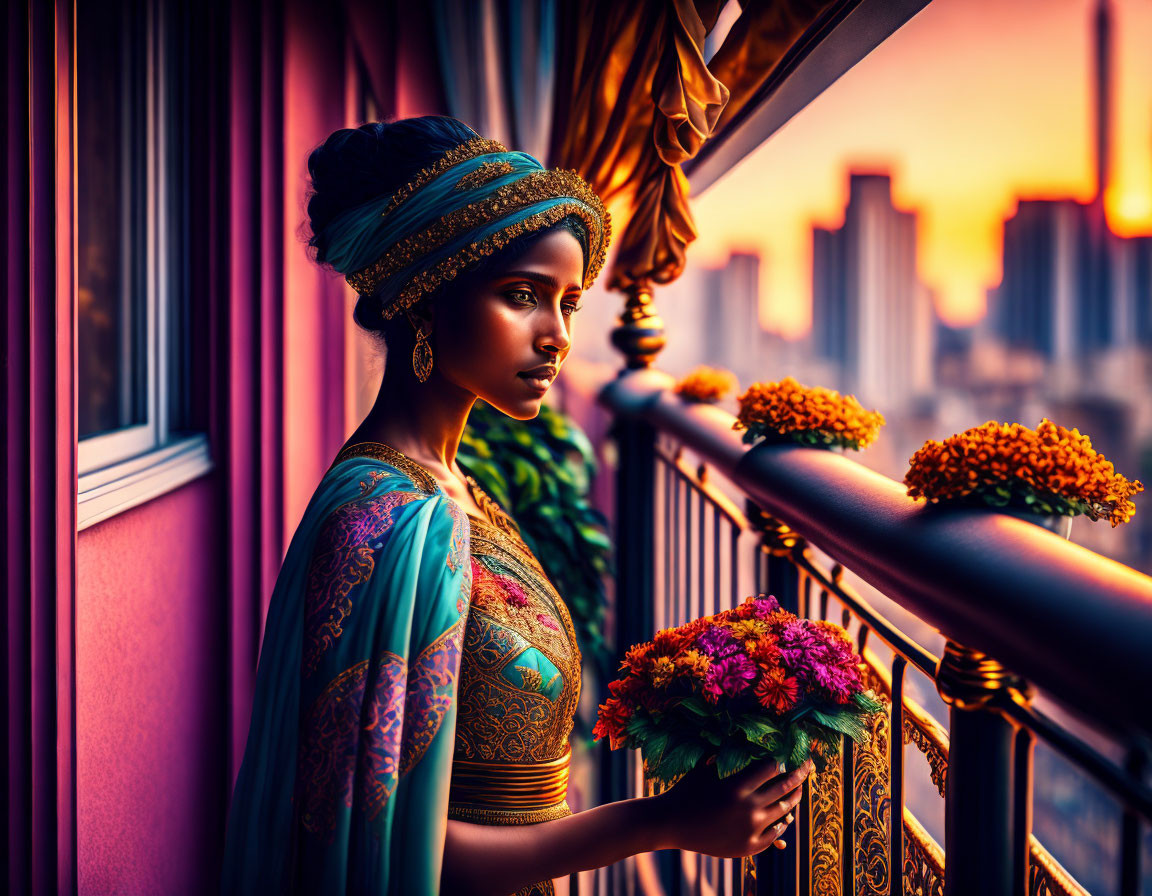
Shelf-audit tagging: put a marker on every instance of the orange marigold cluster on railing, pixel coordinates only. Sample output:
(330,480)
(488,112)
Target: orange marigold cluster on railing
(707,385)
(810,415)
(1049,470)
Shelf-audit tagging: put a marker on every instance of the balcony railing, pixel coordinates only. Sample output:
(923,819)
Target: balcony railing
(703,520)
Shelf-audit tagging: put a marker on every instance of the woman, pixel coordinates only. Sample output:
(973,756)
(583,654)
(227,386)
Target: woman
(419,674)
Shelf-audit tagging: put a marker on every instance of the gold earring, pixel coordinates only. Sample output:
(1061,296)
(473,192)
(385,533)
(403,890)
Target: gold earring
(422,357)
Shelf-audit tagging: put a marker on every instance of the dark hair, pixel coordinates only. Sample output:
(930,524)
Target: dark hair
(355,165)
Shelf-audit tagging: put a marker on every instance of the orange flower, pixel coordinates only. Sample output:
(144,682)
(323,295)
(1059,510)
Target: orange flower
(999,462)
(706,385)
(833,629)
(779,618)
(662,671)
(693,663)
(613,719)
(776,691)
(744,629)
(636,659)
(810,415)
(763,650)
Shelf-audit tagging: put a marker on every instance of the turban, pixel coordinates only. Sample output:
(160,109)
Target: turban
(470,203)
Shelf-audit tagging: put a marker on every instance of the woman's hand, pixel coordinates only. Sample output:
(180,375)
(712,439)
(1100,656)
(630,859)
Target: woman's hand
(740,815)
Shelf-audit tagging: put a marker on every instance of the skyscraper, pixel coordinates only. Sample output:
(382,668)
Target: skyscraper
(871,314)
(732,314)
(1059,294)
(1035,306)
(1102,34)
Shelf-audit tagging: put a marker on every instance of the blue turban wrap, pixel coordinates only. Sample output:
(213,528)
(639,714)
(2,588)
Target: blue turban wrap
(471,202)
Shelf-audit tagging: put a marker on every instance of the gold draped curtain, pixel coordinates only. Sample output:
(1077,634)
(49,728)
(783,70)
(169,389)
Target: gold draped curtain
(635,99)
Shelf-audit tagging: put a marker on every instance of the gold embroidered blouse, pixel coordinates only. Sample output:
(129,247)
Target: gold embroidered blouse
(519,681)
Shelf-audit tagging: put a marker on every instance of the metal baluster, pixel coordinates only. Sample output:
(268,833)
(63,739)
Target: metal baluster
(1130,846)
(702,861)
(674,547)
(664,596)
(1022,809)
(714,606)
(687,536)
(896,780)
(734,567)
(702,611)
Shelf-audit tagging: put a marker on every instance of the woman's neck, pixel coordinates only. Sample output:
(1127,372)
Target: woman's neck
(425,421)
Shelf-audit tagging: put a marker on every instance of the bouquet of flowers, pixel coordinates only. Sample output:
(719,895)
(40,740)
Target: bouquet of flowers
(808,415)
(1049,470)
(750,683)
(706,385)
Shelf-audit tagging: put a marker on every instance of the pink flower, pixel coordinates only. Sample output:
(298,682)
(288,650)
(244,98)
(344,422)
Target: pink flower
(717,641)
(547,622)
(730,675)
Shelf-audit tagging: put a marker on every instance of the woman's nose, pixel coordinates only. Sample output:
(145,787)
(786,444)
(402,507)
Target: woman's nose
(554,337)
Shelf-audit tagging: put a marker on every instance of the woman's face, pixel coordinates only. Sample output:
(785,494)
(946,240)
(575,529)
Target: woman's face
(505,338)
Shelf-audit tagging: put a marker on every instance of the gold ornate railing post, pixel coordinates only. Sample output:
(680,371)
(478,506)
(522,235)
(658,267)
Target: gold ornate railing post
(983,824)
(640,335)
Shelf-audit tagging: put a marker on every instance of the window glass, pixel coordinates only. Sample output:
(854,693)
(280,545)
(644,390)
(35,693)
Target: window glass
(111,211)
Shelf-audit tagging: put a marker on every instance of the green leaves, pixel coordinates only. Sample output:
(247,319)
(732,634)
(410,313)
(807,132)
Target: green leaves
(732,759)
(759,730)
(844,721)
(798,746)
(689,731)
(697,707)
(867,702)
(681,759)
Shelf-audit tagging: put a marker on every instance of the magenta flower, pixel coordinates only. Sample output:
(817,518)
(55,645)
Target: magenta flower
(717,641)
(764,606)
(835,682)
(730,675)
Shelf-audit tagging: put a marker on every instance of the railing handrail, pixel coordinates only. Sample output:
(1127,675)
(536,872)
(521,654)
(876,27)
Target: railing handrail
(1069,621)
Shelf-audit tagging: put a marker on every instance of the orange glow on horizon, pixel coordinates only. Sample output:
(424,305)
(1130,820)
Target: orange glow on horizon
(972,105)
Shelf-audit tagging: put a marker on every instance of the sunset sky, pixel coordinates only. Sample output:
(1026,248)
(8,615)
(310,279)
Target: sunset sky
(970,105)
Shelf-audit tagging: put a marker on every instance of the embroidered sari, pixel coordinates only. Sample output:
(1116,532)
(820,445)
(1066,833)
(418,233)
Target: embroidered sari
(417,666)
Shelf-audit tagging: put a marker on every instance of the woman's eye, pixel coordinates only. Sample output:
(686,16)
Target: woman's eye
(522,297)
(569,308)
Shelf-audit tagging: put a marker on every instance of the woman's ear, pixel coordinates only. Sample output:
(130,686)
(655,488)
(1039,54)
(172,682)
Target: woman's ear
(422,317)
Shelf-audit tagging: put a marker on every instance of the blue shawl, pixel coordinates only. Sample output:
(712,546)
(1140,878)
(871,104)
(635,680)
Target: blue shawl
(344,782)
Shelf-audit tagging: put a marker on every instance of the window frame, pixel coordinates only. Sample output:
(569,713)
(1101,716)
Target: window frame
(126,467)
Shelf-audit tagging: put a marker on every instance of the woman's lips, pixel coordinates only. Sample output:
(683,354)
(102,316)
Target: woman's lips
(537,383)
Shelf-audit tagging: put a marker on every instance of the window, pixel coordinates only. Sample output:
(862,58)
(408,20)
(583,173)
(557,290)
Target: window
(133,202)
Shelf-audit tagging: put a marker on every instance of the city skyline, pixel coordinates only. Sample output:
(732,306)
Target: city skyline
(962,182)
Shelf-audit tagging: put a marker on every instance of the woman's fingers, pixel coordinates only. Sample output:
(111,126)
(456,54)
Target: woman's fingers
(751,778)
(773,787)
(773,832)
(784,806)
(768,774)
(777,827)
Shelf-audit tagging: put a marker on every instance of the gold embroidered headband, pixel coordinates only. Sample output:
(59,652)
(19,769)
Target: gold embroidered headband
(473,201)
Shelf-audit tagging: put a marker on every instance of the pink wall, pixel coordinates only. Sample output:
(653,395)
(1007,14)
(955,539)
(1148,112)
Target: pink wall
(151,649)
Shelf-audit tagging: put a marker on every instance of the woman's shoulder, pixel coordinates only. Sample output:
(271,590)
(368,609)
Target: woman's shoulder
(375,463)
